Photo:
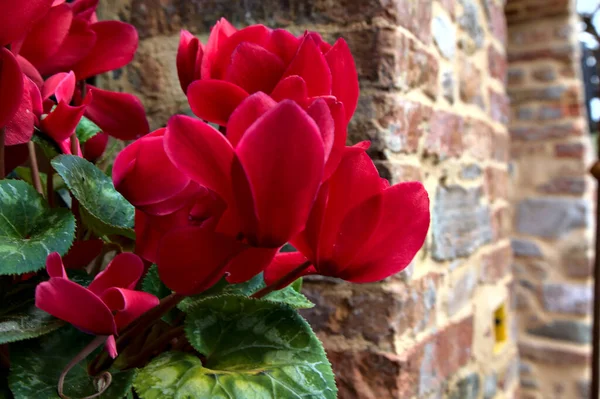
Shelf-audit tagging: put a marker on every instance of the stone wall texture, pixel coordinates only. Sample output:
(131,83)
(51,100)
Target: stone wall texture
(552,199)
(434,103)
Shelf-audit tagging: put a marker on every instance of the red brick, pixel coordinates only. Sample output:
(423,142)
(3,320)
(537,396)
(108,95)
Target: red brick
(546,73)
(569,150)
(496,183)
(496,264)
(397,172)
(497,20)
(501,222)
(560,52)
(546,132)
(575,185)
(497,64)
(501,147)
(551,354)
(470,83)
(499,107)
(516,76)
(477,138)
(444,137)
(450,7)
(415,16)
(564,94)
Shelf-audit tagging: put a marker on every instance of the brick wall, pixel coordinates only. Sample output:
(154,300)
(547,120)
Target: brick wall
(433,102)
(552,198)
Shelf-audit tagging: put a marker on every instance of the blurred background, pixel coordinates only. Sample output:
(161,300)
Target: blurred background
(493,105)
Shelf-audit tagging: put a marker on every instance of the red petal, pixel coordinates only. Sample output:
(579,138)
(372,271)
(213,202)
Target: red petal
(310,64)
(76,46)
(192,259)
(246,114)
(143,161)
(84,8)
(398,236)
(62,121)
(284,44)
(308,240)
(189,57)
(249,263)
(283,264)
(218,34)
(61,85)
(46,37)
(149,230)
(291,88)
(256,34)
(215,100)
(319,111)
(116,43)
(123,271)
(17,17)
(19,129)
(344,76)
(54,266)
(340,135)
(76,305)
(120,115)
(82,253)
(30,71)
(254,69)
(11,86)
(174,203)
(111,345)
(282,155)
(128,304)
(201,152)
(95,147)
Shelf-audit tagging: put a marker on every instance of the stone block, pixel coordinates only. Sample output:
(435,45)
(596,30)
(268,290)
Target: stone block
(551,354)
(497,64)
(523,247)
(551,217)
(564,330)
(574,185)
(569,150)
(461,292)
(496,264)
(444,136)
(569,298)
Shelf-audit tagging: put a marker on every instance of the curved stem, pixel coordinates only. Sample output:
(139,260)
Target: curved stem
(158,343)
(35,170)
(284,281)
(106,377)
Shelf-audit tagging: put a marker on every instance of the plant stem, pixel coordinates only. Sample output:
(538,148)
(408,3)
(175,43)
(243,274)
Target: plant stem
(2,138)
(35,170)
(103,361)
(106,377)
(50,185)
(284,281)
(159,343)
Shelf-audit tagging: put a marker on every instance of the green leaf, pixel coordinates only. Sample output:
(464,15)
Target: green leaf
(29,229)
(253,349)
(103,209)
(153,285)
(47,145)
(86,129)
(36,367)
(19,317)
(24,174)
(289,295)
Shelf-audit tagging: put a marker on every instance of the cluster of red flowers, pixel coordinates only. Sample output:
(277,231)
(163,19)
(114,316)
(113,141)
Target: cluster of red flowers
(214,202)
(46,47)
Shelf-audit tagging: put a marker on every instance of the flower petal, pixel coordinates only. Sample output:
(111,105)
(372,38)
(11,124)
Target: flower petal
(283,158)
(189,58)
(218,35)
(61,85)
(123,271)
(284,44)
(111,346)
(95,147)
(283,264)
(192,259)
(214,100)
(398,236)
(201,152)
(120,115)
(310,64)
(82,253)
(115,46)
(150,229)
(254,69)
(76,305)
(253,107)
(291,88)
(319,111)
(30,71)
(128,304)
(19,128)
(344,76)
(11,86)
(62,121)
(249,263)
(54,266)
(17,17)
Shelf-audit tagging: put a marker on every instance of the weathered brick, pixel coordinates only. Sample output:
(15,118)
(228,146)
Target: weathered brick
(562,93)
(501,147)
(575,185)
(496,264)
(497,64)
(577,261)
(460,222)
(545,73)
(471,23)
(551,354)
(516,76)
(564,330)
(499,106)
(448,82)
(502,223)
(569,150)
(416,17)
(567,298)
(398,172)
(444,136)
(551,217)
(470,83)
(478,137)
(497,20)
(583,389)
(522,247)
(450,7)
(547,131)
(496,183)
(461,291)
(562,53)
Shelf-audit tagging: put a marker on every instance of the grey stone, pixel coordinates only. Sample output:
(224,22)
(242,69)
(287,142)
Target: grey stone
(471,172)
(547,113)
(552,217)
(444,34)
(460,222)
(522,247)
(466,388)
(490,386)
(567,298)
(448,85)
(565,330)
(470,22)
(525,113)
(462,292)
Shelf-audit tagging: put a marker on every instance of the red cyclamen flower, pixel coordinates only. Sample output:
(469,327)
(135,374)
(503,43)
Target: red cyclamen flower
(106,306)
(360,229)
(235,64)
